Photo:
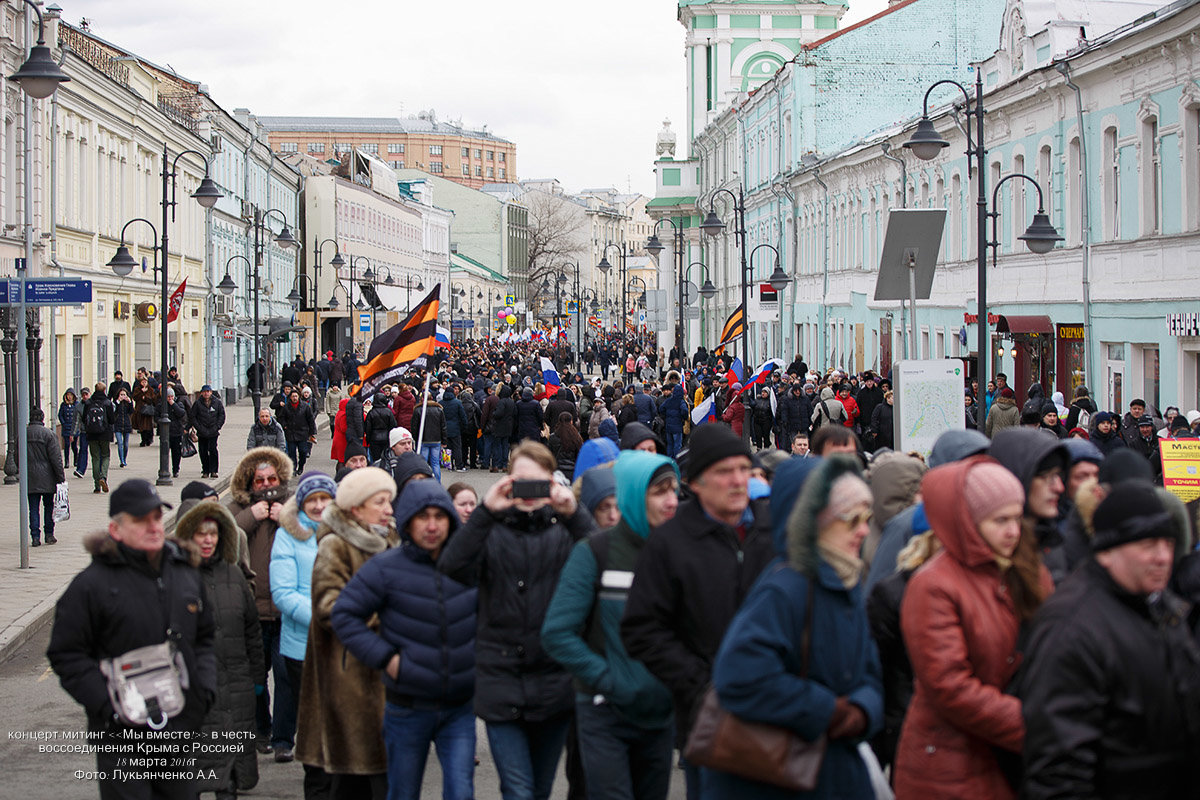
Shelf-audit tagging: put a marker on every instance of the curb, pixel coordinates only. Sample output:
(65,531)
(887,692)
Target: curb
(35,619)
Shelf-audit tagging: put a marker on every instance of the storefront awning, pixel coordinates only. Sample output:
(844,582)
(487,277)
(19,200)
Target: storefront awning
(1025,324)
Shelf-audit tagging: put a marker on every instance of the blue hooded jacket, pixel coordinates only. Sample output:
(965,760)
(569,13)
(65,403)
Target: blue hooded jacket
(595,452)
(582,628)
(425,616)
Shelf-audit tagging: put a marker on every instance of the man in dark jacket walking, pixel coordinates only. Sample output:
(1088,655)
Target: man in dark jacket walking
(207,417)
(456,424)
(299,423)
(695,571)
(1111,690)
(44,474)
(99,417)
(138,591)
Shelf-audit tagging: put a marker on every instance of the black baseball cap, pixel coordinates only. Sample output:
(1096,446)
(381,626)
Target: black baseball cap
(135,497)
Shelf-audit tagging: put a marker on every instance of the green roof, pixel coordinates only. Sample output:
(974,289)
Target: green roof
(660,202)
(463,263)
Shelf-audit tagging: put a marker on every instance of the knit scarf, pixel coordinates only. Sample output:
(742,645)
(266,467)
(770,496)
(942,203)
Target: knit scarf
(848,568)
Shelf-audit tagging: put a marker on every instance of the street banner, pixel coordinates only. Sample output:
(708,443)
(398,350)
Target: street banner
(176,301)
(1181,467)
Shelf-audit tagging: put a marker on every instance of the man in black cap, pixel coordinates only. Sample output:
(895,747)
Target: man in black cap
(1111,694)
(694,572)
(1145,444)
(140,590)
(207,417)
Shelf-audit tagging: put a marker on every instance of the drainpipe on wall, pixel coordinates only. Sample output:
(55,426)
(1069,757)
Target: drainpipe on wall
(823,339)
(1084,229)
(52,338)
(886,147)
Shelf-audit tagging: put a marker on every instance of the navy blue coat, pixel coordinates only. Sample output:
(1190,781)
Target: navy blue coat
(674,409)
(425,616)
(456,416)
(644,403)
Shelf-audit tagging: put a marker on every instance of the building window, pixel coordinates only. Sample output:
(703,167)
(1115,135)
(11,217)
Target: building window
(1111,172)
(466,169)
(397,165)
(102,358)
(316,147)
(435,167)
(395,148)
(466,152)
(502,173)
(478,171)
(118,341)
(77,361)
(491,172)
(501,158)
(478,153)
(1151,176)
(491,155)
(373,149)
(289,147)
(341,147)
(435,149)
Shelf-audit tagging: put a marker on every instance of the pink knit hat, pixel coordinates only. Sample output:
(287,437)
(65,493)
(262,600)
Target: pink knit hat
(988,487)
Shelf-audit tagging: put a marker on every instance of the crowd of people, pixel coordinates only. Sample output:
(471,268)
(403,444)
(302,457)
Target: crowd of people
(1008,615)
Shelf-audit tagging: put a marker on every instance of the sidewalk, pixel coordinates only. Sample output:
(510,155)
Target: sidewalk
(27,596)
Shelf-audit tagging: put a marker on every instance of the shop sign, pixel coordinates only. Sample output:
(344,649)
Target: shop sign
(1185,324)
(1181,467)
(971,319)
(1070,331)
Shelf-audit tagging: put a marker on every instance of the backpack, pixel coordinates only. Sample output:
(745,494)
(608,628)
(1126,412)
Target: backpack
(1084,418)
(95,420)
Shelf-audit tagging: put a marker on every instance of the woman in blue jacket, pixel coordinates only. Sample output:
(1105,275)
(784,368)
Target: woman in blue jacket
(292,555)
(425,646)
(622,712)
(757,673)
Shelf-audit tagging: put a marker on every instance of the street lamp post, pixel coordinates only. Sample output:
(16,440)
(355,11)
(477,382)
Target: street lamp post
(456,290)
(207,194)
(373,278)
(296,298)
(604,266)
(926,144)
(39,77)
(707,292)
(655,247)
(227,286)
(337,262)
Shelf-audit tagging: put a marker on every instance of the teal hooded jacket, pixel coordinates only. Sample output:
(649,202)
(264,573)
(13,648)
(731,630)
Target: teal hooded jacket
(582,627)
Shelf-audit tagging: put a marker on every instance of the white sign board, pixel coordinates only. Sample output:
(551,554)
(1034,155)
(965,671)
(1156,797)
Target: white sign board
(929,402)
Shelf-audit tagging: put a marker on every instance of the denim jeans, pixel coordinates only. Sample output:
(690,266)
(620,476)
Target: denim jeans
(81,461)
(499,452)
(407,733)
(38,501)
(70,447)
(485,450)
(526,756)
(674,443)
(122,447)
(620,759)
(432,453)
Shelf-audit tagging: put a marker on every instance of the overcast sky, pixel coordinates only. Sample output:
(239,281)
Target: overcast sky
(581,88)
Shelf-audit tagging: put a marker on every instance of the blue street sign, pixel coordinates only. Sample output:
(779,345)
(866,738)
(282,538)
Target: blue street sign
(364,322)
(572,307)
(47,292)
(462,323)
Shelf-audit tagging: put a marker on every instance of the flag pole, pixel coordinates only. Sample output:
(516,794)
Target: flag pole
(424,409)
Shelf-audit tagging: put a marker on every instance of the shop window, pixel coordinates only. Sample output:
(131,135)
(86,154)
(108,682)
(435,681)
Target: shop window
(1150,377)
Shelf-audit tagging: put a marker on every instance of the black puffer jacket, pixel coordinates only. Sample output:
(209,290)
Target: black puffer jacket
(515,560)
(795,413)
(178,412)
(883,611)
(238,649)
(379,422)
(207,418)
(119,603)
(45,460)
(529,418)
(504,416)
(298,421)
(1111,707)
(691,578)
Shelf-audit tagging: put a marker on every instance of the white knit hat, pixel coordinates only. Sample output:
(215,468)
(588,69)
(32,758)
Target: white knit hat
(398,435)
(361,485)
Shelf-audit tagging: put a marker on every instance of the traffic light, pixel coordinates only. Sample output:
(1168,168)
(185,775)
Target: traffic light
(146,312)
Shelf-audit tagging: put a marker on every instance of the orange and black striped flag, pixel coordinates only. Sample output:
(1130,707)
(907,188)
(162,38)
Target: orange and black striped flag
(734,327)
(404,346)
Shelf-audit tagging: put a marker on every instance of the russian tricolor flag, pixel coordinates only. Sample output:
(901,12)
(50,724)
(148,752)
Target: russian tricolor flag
(442,338)
(550,374)
(705,412)
(764,372)
(734,375)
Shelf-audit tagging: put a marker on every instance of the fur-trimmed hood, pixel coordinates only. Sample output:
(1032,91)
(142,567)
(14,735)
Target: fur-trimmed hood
(335,522)
(227,537)
(239,486)
(802,522)
(289,520)
(103,547)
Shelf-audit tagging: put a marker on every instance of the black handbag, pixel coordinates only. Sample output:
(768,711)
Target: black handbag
(187,448)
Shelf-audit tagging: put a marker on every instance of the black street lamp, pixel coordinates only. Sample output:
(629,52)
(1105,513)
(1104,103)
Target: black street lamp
(337,262)
(227,286)
(707,292)
(604,266)
(655,247)
(779,279)
(926,144)
(456,290)
(207,194)
(296,298)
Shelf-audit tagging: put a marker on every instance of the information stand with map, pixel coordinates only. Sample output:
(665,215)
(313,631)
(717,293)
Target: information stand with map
(928,400)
